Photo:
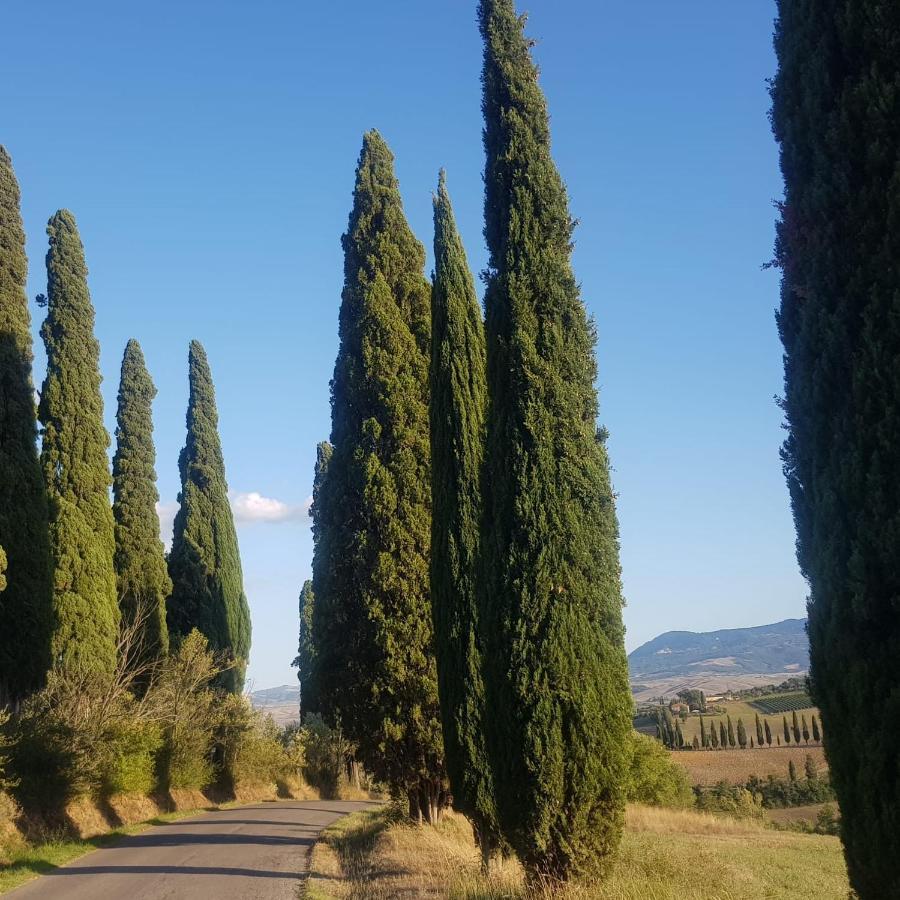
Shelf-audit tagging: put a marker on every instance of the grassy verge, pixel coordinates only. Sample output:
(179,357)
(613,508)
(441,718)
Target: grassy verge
(28,861)
(666,854)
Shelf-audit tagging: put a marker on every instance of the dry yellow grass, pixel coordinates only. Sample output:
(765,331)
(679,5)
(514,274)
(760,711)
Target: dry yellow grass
(736,766)
(666,855)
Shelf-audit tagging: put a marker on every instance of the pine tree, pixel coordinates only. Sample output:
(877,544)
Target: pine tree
(141,573)
(795,728)
(759,732)
(816,734)
(768,731)
(205,562)
(731,741)
(552,603)
(787,730)
(381,675)
(741,734)
(26,605)
(458,401)
(836,116)
(75,465)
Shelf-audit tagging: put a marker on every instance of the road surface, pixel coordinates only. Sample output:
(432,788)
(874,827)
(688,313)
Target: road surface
(232,854)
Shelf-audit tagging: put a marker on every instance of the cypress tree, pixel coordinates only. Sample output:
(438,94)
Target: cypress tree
(305,661)
(381,676)
(205,562)
(792,771)
(141,573)
(703,738)
(816,734)
(458,401)
(556,674)
(741,734)
(723,735)
(731,740)
(795,728)
(787,730)
(25,608)
(714,737)
(759,732)
(75,465)
(804,727)
(836,117)
(768,731)
(679,736)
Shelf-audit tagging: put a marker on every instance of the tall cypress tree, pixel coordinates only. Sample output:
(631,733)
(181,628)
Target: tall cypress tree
(759,731)
(836,117)
(25,608)
(556,674)
(458,401)
(378,643)
(205,562)
(75,464)
(141,573)
(305,660)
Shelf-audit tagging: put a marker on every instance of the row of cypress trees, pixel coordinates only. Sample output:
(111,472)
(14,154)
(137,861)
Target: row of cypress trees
(463,625)
(76,563)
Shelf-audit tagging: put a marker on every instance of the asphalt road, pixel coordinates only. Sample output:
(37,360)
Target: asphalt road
(243,853)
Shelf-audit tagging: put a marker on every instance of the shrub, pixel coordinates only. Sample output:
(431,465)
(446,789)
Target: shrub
(250,746)
(327,752)
(654,778)
(732,800)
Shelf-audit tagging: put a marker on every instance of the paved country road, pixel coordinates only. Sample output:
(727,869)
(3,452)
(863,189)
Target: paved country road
(243,853)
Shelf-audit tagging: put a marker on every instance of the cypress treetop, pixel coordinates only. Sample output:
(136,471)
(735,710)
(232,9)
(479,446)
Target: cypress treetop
(458,401)
(205,563)
(25,609)
(141,572)
(556,673)
(75,464)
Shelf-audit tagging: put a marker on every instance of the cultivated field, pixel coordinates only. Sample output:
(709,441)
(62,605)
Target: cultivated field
(666,855)
(736,766)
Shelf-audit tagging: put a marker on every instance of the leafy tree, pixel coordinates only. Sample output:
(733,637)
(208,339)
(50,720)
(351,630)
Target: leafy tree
(75,465)
(816,734)
(141,573)
(556,673)
(458,401)
(768,731)
(759,732)
(377,673)
(205,562)
(836,117)
(26,606)
(731,741)
(654,778)
(742,734)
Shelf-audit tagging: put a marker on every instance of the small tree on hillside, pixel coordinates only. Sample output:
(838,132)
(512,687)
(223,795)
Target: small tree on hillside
(723,735)
(787,730)
(742,734)
(713,737)
(792,771)
(816,734)
(731,741)
(759,732)
(795,727)
(812,770)
(703,738)
(805,729)
(768,731)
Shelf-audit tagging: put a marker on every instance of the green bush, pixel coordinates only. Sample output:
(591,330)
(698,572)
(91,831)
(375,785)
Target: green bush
(326,752)
(733,800)
(654,778)
(250,746)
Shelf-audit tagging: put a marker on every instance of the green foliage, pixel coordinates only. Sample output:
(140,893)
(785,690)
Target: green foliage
(732,800)
(653,777)
(25,608)
(205,563)
(741,734)
(372,626)
(327,753)
(556,673)
(458,401)
(141,573)
(782,703)
(75,465)
(306,649)
(780,793)
(836,117)
(768,731)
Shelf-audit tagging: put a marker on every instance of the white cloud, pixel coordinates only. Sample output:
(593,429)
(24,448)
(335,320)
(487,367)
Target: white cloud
(166,513)
(254,507)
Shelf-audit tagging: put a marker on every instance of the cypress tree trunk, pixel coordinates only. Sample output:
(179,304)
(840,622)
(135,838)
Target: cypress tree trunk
(75,464)
(556,673)
(205,562)
(25,608)
(458,401)
(376,666)
(141,573)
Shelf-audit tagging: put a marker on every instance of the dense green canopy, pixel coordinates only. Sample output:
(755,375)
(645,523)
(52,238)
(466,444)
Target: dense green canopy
(376,670)
(836,116)
(25,608)
(556,672)
(141,573)
(75,464)
(458,400)
(205,563)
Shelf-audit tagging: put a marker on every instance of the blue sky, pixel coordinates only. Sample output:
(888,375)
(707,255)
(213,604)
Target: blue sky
(207,150)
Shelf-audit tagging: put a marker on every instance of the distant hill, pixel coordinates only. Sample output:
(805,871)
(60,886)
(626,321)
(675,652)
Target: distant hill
(776,649)
(281,703)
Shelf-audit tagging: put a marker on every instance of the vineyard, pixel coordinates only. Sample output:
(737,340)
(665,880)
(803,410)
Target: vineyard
(778,704)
